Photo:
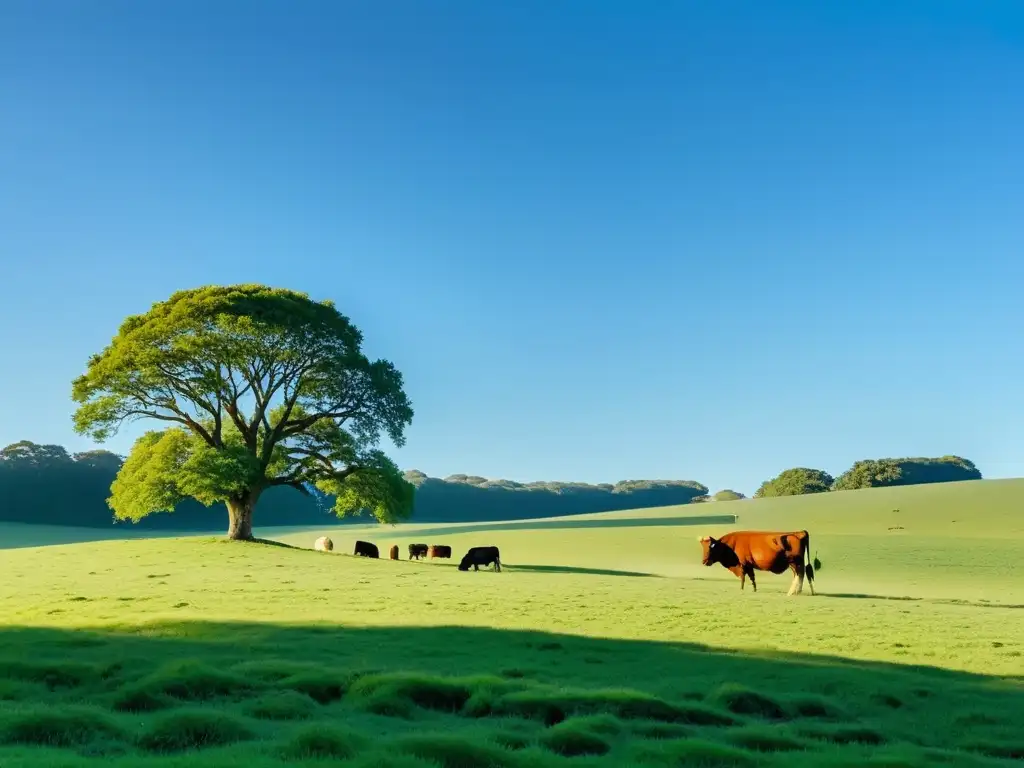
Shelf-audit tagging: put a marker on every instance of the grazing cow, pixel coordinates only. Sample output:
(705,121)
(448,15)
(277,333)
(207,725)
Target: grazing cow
(440,550)
(394,551)
(366,549)
(323,544)
(416,551)
(744,552)
(478,556)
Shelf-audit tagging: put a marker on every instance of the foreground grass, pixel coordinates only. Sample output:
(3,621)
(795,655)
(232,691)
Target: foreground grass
(202,652)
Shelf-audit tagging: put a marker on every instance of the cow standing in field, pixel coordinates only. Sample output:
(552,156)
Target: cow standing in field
(416,551)
(366,549)
(440,550)
(744,552)
(394,551)
(478,556)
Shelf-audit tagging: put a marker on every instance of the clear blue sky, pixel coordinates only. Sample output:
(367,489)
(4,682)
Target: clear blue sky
(694,240)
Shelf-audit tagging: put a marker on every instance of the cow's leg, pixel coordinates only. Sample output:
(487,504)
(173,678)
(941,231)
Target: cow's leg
(797,586)
(753,581)
(743,578)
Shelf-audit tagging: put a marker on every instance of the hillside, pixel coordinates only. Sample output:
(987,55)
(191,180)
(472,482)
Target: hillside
(602,637)
(950,539)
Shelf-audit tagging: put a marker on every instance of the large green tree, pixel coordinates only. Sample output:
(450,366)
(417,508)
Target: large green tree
(256,387)
(795,482)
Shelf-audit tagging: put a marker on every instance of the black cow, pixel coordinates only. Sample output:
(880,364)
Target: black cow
(366,549)
(416,551)
(478,556)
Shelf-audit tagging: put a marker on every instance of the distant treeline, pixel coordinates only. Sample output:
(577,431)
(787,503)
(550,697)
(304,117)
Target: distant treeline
(45,484)
(871,473)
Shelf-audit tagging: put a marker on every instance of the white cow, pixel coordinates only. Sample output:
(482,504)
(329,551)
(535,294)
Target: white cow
(323,544)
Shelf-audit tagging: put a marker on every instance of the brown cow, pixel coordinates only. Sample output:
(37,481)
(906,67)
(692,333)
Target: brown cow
(394,551)
(440,550)
(744,552)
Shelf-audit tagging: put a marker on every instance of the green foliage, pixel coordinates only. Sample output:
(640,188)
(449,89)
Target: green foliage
(796,482)
(874,473)
(728,495)
(259,388)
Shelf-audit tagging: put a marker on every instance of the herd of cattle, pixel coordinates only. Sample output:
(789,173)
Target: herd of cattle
(474,558)
(740,552)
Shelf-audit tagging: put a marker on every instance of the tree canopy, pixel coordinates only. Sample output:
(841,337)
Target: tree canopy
(795,482)
(873,473)
(258,388)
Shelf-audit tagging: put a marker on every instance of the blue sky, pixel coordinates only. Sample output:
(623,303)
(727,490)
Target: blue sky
(702,240)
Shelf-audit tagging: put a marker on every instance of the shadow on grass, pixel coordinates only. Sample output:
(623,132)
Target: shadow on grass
(906,599)
(558,691)
(544,525)
(572,569)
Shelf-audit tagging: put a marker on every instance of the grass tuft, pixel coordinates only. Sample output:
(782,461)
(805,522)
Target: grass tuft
(552,707)
(191,680)
(281,705)
(59,728)
(575,737)
(197,729)
(53,675)
(695,752)
(322,687)
(744,701)
(395,694)
(455,752)
(845,734)
(1002,750)
(317,742)
(765,739)
(137,699)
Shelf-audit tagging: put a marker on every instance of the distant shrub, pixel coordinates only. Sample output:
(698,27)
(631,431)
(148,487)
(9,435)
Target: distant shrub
(703,498)
(185,730)
(728,495)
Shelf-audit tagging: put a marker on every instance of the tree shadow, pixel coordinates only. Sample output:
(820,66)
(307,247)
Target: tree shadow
(573,569)
(934,601)
(545,525)
(430,676)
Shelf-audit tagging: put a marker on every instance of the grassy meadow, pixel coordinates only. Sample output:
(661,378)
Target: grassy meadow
(604,642)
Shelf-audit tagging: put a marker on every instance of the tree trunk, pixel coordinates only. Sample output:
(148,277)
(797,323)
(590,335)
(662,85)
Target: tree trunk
(240,517)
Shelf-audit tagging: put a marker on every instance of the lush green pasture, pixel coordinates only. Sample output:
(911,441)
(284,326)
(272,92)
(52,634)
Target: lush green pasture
(196,651)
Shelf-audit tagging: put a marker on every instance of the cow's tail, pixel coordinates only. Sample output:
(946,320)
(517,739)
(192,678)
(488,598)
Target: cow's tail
(812,565)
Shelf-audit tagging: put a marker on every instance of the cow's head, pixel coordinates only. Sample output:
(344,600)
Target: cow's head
(711,547)
(464,565)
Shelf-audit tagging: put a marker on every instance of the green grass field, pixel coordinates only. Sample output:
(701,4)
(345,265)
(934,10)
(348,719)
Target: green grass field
(604,642)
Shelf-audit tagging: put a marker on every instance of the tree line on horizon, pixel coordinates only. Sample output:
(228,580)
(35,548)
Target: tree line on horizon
(46,484)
